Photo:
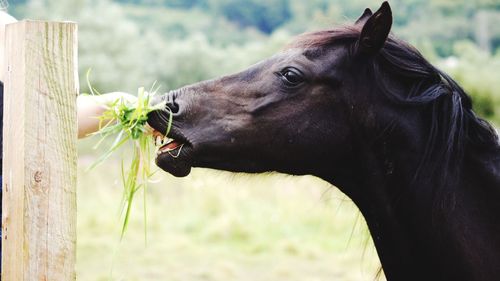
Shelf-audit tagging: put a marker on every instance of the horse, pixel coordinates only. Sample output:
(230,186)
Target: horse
(366,112)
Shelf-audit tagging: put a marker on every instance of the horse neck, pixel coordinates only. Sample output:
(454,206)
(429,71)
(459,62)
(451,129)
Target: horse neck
(414,242)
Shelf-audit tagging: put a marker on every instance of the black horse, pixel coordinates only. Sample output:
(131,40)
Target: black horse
(366,112)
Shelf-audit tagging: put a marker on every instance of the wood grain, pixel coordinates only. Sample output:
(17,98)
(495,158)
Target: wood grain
(39,166)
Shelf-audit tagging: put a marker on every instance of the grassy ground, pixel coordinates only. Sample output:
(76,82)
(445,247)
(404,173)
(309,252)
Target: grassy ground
(219,226)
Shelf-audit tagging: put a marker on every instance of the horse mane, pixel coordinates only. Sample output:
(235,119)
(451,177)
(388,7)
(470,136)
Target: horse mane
(453,127)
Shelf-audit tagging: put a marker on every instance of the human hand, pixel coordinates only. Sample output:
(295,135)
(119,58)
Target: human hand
(109,98)
(90,107)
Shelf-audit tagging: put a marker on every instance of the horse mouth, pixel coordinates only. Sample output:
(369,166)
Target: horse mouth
(173,153)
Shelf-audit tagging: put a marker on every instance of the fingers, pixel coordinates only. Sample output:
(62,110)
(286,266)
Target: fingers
(112,97)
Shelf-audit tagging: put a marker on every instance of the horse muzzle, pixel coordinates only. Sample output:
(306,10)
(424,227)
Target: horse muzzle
(173,149)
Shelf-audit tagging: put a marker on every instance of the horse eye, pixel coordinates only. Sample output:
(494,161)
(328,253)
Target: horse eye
(292,77)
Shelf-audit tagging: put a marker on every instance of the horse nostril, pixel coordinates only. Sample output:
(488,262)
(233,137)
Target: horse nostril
(159,118)
(170,102)
(174,107)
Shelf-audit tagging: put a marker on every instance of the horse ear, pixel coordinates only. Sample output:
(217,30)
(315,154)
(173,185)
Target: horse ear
(364,17)
(375,30)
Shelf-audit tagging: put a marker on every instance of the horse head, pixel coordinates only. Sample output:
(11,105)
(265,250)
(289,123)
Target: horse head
(291,113)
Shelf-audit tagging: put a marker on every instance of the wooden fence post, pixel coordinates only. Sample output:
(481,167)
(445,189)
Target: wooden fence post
(39,163)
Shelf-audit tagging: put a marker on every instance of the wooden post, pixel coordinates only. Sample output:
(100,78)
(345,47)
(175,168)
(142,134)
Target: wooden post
(39,163)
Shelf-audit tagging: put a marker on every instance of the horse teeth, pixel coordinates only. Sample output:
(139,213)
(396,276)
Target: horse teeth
(167,141)
(158,140)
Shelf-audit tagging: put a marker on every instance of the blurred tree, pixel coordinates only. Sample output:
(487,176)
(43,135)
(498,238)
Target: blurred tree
(182,4)
(17,2)
(313,15)
(266,15)
(477,72)
(109,43)
(124,55)
(185,3)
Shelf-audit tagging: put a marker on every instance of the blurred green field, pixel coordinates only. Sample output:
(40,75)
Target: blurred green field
(219,226)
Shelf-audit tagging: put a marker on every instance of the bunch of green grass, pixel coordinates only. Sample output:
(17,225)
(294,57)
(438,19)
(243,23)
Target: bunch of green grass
(126,122)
